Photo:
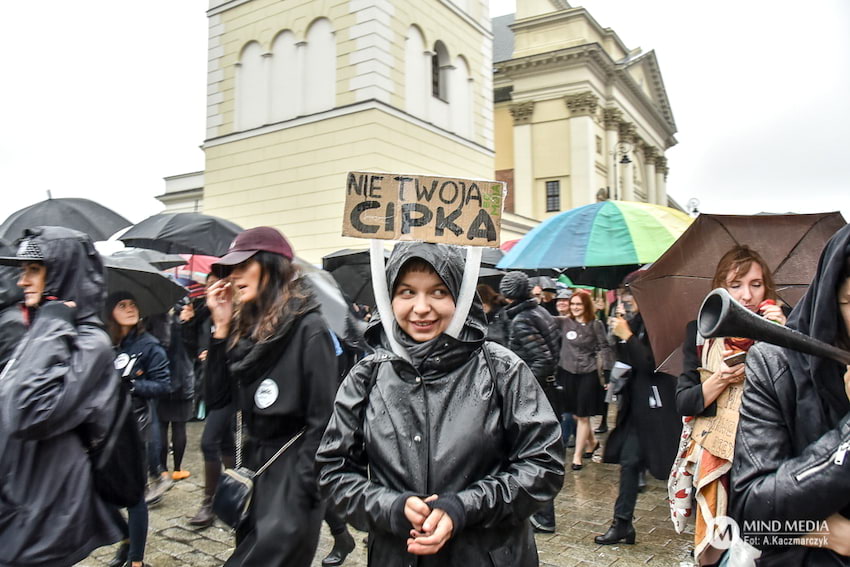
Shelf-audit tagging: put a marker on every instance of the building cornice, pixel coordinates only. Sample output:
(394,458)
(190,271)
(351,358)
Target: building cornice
(219,6)
(601,64)
(488,33)
(568,14)
(363,106)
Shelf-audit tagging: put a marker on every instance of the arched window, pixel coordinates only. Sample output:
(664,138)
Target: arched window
(461,98)
(285,78)
(252,104)
(416,75)
(439,71)
(319,76)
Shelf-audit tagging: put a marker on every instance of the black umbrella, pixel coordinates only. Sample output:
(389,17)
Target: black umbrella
(158,260)
(79,214)
(334,307)
(183,233)
(352,271)
(154,291)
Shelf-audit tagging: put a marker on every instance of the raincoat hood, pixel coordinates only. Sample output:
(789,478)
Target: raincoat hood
(817,315)
(10,293)
(74,269)
(449,263)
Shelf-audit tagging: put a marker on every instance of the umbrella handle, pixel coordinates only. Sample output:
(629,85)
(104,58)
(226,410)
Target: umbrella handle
(382,295)
(467,290)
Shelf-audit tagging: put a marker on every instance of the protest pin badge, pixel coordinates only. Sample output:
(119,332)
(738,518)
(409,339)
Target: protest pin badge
(449,210)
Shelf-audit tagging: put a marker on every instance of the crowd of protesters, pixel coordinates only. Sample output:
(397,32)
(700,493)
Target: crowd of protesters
(442,432)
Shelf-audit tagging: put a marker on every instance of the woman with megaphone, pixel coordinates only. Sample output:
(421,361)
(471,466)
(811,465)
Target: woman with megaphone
(708,394)
(790,464)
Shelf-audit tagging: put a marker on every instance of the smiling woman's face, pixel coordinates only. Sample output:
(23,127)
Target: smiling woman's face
(422,305)
(844,304)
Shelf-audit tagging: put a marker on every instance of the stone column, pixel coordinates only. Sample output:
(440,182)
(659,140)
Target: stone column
(582,107)
(523,162)
(649,156)
(612,118)
(628,134)
(661,179)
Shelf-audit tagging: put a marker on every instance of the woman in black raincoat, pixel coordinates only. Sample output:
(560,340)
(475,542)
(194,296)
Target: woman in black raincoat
(141,361)
(791,463)
(440,457)
(59,382)
(274,358)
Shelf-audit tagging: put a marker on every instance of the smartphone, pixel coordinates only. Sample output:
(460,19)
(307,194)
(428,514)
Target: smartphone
(733,359)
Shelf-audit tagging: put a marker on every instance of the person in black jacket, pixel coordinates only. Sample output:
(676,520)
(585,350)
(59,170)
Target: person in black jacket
(534,336)
(217,443)
(140,360)
(271,356)
(790,465)
(59,382)
(647,431)
(439,456)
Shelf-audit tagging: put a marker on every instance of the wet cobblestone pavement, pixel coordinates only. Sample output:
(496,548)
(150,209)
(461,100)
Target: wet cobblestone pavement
(584,509)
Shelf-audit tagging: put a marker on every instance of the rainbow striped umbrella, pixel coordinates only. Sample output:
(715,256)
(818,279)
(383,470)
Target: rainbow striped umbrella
(598,244)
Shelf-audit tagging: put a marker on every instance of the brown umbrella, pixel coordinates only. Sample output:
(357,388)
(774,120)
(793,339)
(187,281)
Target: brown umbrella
(670,292)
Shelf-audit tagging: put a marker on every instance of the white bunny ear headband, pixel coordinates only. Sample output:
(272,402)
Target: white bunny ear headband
(382,295)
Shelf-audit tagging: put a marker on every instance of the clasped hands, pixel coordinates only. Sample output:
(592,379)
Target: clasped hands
(432,528)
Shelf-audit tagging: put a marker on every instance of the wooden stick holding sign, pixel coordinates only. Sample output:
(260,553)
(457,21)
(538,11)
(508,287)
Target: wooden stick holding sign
(391,206)
(444,210)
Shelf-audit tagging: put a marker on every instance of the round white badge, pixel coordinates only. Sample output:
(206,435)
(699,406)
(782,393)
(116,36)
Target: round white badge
(266,393)
(121,360)
(572,335)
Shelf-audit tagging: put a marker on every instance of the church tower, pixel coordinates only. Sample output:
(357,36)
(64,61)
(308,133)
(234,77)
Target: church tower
(302,91)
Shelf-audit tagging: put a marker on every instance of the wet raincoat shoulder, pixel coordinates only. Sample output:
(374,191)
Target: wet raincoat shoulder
(61,380)
(534,336)
(12,326)
(487,443)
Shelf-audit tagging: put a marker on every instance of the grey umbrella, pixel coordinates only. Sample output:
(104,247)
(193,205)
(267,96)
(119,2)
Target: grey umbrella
(158,260)
(154,291)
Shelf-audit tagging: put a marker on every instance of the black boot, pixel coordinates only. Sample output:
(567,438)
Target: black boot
(205,516)
(620,530)
(121,555)
(343,545)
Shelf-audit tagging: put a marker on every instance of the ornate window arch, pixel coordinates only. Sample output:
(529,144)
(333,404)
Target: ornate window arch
(416,73)
(460,97)
(319,74)
(285,77)
(440,71)
(251,87)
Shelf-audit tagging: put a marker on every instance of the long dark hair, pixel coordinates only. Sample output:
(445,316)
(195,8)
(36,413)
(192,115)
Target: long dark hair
(114,329)
(842,340)
(258,319)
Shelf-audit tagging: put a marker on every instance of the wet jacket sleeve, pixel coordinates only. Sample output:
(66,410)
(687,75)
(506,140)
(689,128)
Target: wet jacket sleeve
(218,389)
(319,381)
(534,464)
(46,389)
(12,330)
(342,460)
(769,482)
(535,343)
(155,378)
(689,399)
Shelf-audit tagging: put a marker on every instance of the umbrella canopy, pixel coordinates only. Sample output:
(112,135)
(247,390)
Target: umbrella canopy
(155,292)
(156,259)
(79,214)
(183,233)
(351,269)
(598,244)
(670,292)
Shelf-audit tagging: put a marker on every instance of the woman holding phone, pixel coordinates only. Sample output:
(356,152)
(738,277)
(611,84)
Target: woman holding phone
(699,480)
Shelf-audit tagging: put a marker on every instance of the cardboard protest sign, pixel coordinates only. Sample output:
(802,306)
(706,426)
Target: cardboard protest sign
(717,433)
(392,206)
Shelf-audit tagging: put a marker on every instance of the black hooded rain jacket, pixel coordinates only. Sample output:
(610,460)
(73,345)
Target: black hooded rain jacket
(60,380)
(488,444)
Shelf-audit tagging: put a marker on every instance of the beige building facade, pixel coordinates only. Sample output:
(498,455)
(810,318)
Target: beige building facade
(579,117)
(303,91)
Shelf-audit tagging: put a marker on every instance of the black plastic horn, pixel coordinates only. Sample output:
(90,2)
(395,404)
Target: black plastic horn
(722,316)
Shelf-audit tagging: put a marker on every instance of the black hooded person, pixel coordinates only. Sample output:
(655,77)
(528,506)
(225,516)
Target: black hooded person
(12,326)
(59,381)
(439,453)
(271,354)
(790,467)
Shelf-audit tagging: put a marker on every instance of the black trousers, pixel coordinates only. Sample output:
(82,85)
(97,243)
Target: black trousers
(631,464)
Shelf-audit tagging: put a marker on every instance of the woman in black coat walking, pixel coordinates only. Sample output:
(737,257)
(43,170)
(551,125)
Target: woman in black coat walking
(272,355)
(648,426)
